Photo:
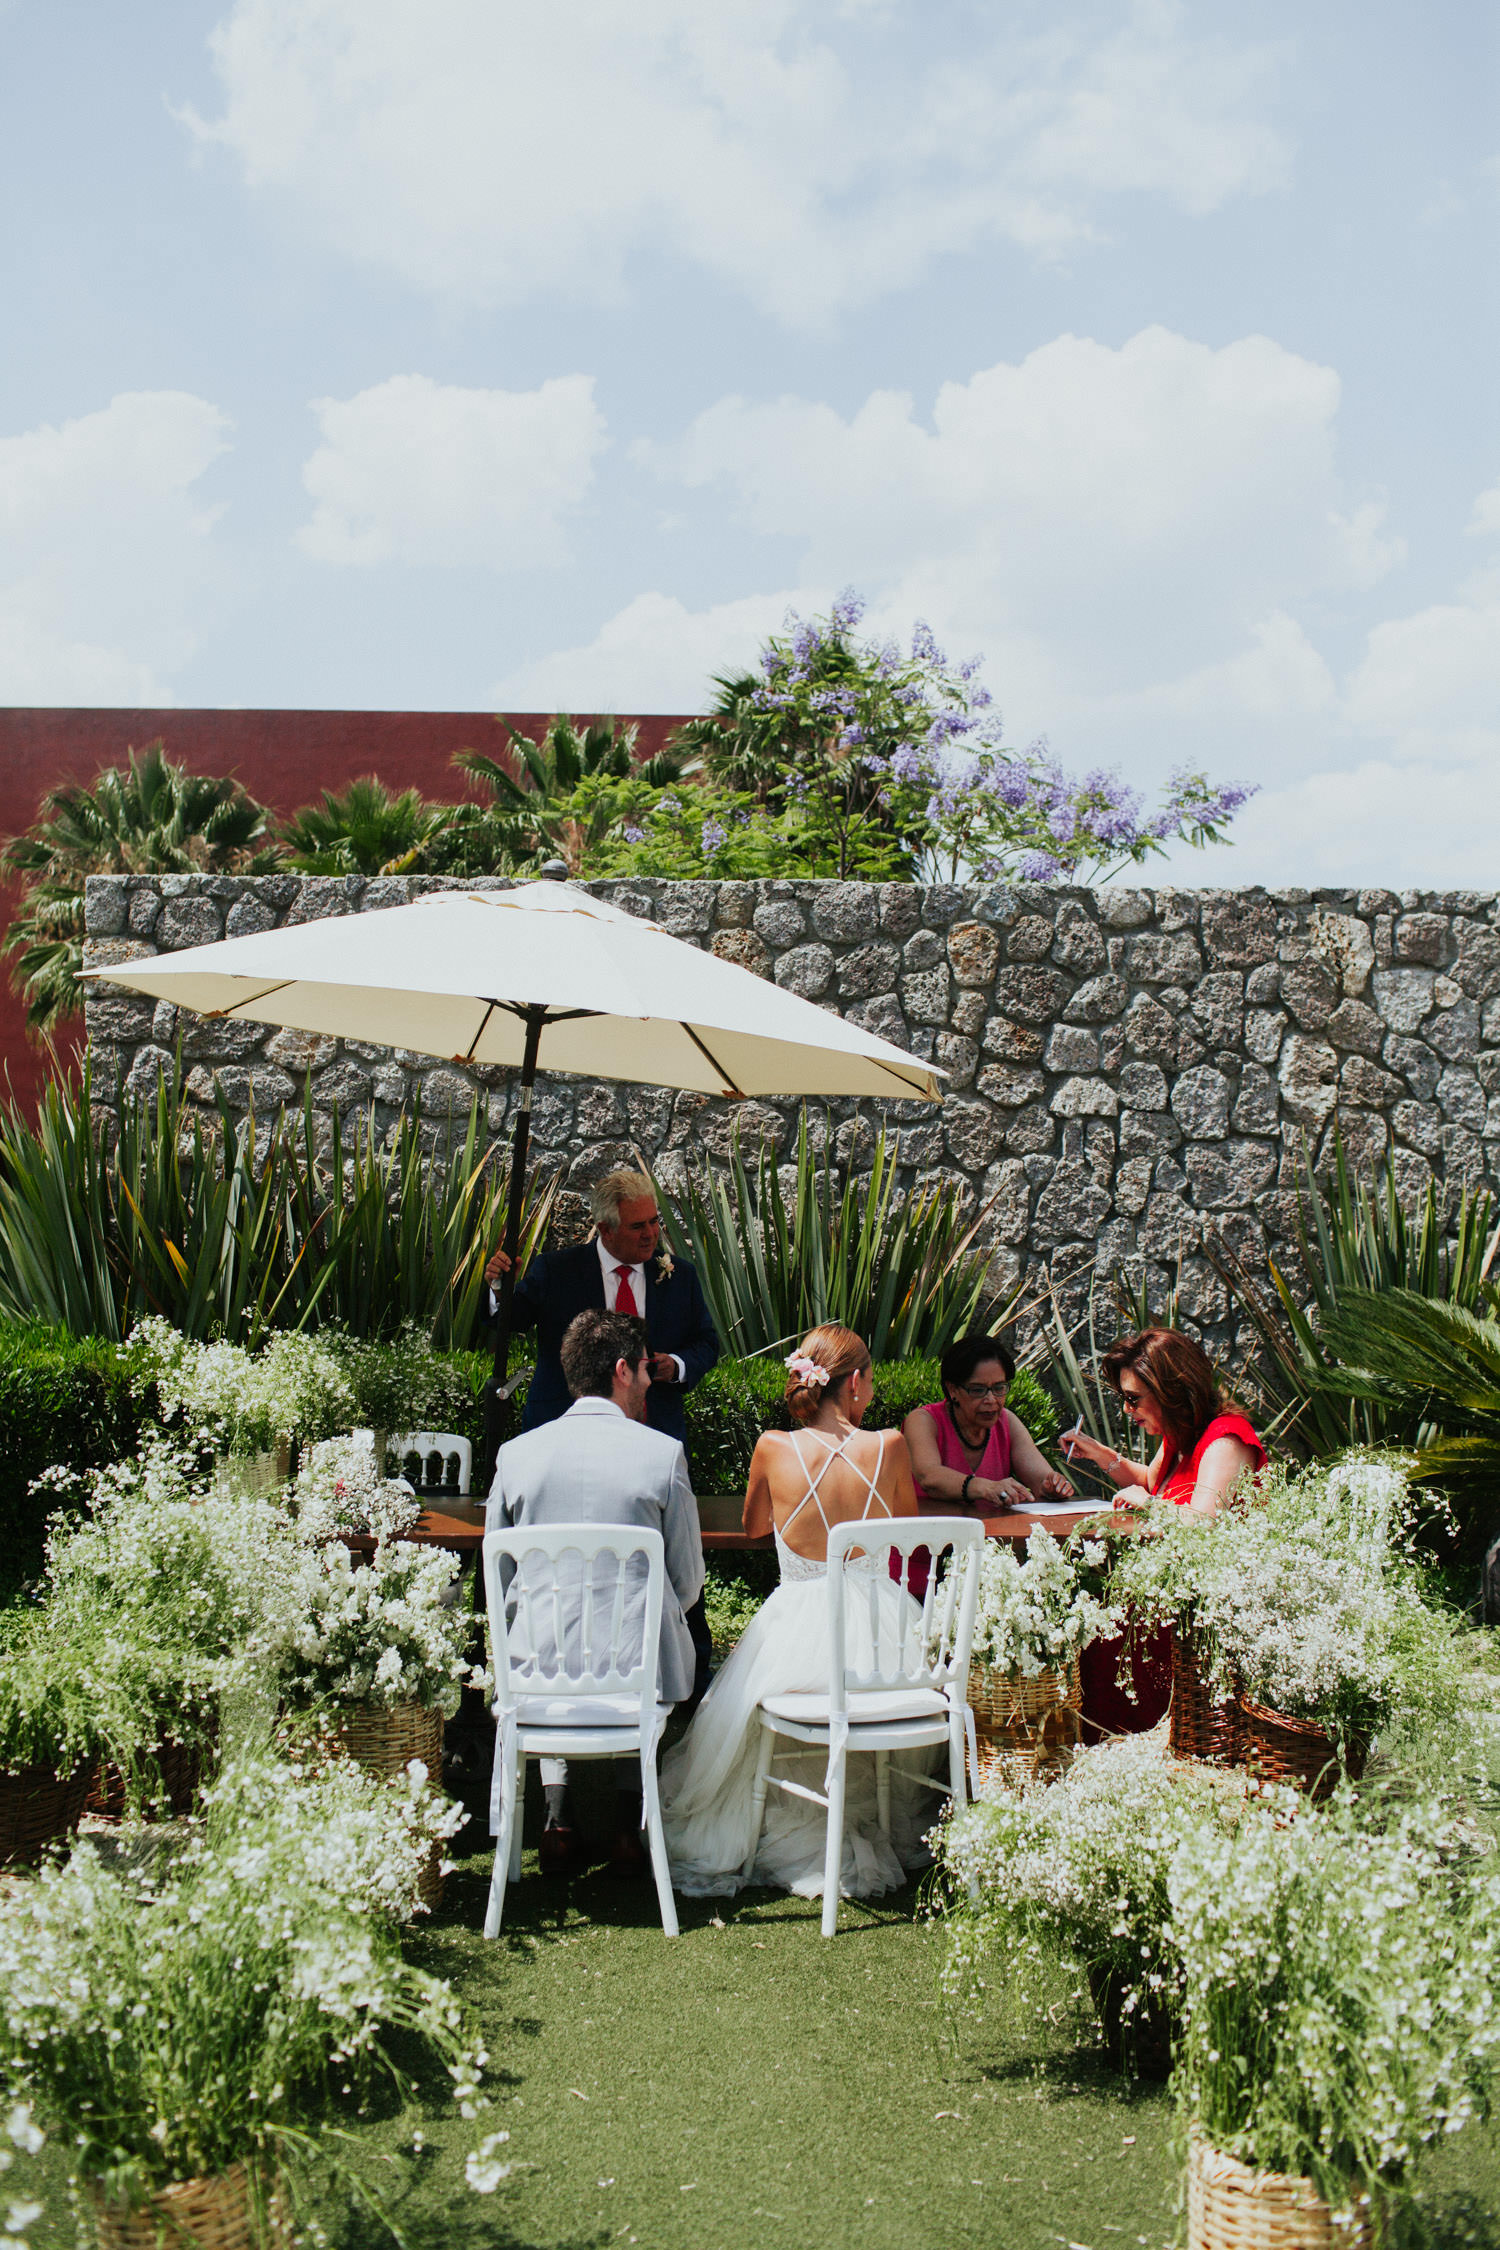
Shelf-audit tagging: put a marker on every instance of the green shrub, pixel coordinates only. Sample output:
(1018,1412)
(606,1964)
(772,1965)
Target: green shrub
(64,1401)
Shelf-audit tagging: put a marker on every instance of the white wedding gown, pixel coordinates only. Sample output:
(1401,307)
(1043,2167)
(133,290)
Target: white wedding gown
(708,1779)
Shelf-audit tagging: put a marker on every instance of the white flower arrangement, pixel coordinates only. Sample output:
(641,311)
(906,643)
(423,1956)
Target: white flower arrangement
(167,2023)
(383,1632)
(1036,1615)
(25,2137)
(339,1490)
(1076,1870)
(246,1401)
(1341,1986)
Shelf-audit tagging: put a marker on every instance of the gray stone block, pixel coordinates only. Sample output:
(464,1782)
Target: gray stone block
(1031,1132)
(1461,1099)
(1257,1106)
(807,970)
(925,950)
(1070,1047)
(959,1057)
(1143,1086)
(1230,1174)
(1200,1103)
(900,909)
(1417,1064)
(925,997)
(744,949)
(780,923)
(1100,1000)
(735,905)
(1308,1078)
(1454,1033)
(1403,997)
(870,969)
(106,907)
(185,922)
(1421,940)
(1078,945)
(1355,1025)
(1085,1097)
(1163,959)
(972,1132)
(1010,1086)
(1029,939)
(299,1051)
(1071,1207)
(1148,1132)
(1033,994)
(967,1013)
(1125,910)
(1478,966)
(1013,1042)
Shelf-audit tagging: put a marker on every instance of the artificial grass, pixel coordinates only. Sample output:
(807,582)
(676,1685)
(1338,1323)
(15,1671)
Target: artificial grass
(751,2084)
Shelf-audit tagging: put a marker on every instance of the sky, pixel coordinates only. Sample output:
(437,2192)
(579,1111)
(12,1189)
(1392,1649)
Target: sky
(458,354)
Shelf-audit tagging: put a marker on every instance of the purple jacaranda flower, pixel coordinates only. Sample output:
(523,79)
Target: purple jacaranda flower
(669,804)
(713,836)
(1040,867)
(634,835)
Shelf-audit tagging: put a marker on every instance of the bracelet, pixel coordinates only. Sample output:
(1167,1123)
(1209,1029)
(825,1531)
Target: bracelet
(963,1492)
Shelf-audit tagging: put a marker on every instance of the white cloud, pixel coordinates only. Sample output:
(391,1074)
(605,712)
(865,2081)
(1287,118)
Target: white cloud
(1430,683)
(1485,520)
(1375,822)
(105,559)
(653,655)
(422,472)
(808,154)
(1101,521)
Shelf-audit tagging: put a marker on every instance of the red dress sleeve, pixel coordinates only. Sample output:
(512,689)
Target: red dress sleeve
(1179,1484)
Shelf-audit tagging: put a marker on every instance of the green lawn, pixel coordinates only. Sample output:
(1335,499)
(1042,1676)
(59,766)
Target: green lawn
(752,2085)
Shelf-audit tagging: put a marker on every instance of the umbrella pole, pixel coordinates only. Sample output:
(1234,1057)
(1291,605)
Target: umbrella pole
(535,1018)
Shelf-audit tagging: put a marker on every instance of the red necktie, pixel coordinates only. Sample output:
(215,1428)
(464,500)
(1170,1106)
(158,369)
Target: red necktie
(625,1300)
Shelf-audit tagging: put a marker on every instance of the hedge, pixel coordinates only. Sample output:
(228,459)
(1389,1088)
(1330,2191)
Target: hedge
(62,1399)
(69,1401)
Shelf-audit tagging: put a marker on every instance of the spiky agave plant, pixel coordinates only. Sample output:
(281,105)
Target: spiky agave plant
(907,1271)
(1355,1237)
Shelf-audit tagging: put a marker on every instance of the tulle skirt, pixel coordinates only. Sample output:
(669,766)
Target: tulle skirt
(708,1778)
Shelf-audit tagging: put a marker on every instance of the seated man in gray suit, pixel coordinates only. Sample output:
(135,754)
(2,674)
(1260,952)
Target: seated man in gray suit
(601,1463)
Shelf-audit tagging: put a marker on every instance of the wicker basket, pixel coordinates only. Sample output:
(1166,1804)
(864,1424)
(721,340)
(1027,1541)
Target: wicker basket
(1026,1729)
(1231,2207)
(224,2213)
(384,1738)
(39,1807)
(1140,2042)
(1292,1751)
(170,1780)
(1198,1727)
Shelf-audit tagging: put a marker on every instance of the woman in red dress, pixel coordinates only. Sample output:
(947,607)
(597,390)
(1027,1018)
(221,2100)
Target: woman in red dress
(1166,1385)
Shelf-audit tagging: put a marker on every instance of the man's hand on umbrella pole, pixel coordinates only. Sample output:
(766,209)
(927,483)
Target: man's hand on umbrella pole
(497,1266)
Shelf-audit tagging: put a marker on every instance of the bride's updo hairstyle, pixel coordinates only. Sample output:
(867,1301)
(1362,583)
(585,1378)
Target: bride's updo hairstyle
(822,1362)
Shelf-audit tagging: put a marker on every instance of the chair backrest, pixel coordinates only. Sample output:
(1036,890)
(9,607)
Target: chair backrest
(445,1460)
(585,1605)
(881,1636)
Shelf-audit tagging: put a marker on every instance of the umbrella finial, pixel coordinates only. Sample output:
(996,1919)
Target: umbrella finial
(553,870)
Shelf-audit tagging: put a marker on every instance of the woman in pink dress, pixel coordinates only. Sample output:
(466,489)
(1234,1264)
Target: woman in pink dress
(969,1450)
(1166,1385)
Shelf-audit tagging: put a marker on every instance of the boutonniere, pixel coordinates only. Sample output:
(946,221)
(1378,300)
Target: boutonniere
(664,1267)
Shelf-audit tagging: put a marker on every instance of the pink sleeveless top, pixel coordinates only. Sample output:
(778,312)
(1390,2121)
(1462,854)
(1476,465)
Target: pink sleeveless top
(1178,1484)
(994,1462)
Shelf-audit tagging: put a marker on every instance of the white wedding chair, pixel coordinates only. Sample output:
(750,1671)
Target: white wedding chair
(915,1694)
(446,1445)
(586,1707)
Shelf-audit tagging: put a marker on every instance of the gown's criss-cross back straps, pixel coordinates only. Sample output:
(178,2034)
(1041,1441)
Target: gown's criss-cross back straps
(794,1565)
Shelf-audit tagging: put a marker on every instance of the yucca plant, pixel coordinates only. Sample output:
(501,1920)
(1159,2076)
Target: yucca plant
(1356,1237)
(227,1230)
(1431,1370)
(906,1271)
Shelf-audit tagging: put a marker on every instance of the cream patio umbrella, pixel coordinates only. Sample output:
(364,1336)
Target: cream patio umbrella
(544,973)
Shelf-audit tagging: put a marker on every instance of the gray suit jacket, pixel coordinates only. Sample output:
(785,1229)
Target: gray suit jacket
(594,1465)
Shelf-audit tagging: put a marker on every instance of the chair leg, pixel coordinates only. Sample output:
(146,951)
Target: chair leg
(518,1821)
(883,1791)
(763,1758)
(956,1749)
(833,1858)
(507,1852)
(651,1805)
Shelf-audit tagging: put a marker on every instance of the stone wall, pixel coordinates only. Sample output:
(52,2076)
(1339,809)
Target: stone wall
(1133,1073)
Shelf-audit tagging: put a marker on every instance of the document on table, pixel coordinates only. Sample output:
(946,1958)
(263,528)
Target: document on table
(1082,1505)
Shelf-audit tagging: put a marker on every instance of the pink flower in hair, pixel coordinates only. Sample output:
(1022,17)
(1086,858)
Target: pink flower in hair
(806,1370)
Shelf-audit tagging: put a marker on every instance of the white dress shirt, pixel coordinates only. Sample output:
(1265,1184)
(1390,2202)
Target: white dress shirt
(610,1267)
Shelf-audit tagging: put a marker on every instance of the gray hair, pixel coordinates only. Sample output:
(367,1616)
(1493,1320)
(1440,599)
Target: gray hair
(614,1189)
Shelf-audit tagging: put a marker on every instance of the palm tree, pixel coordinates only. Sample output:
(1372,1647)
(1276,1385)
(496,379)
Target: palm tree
(530,815)
(364,831)
(147,817)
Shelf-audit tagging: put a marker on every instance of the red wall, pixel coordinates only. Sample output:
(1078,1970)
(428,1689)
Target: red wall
(283,757)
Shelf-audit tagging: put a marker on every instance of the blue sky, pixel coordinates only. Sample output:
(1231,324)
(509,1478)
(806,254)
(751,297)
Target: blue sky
(463,354)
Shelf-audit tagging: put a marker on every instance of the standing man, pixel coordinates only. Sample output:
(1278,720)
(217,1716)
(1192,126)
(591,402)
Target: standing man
(623,1269)
(598,1463)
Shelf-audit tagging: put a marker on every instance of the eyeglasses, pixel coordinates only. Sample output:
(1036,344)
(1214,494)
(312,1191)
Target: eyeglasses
(1133,1401)
(977,1391)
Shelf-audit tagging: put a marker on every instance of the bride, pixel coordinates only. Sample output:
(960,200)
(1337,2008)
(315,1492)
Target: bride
(826,1472)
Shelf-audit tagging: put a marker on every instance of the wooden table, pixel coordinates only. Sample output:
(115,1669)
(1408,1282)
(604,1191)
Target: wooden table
(458,1525)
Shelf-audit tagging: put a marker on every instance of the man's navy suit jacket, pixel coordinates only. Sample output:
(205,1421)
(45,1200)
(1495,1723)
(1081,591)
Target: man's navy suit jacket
(560,1284)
